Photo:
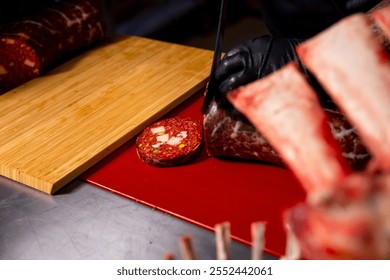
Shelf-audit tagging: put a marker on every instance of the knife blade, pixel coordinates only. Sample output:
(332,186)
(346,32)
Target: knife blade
(211,86)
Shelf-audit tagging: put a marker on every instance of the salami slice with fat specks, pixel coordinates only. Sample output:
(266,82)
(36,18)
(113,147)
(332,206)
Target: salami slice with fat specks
(170,142)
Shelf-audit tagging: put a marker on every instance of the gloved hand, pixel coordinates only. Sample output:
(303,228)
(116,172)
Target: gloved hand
(254,59)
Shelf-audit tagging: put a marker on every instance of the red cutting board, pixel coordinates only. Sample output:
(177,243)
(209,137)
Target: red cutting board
(207,191)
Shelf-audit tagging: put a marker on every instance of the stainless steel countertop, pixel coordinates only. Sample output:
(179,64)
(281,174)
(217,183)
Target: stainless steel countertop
(82,221)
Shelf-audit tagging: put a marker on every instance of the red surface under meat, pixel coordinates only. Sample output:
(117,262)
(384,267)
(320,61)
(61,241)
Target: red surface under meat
(206,191)
(176,141)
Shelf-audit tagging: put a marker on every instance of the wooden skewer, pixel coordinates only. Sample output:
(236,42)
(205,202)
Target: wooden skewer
(293,251)
(186,248)
(169,256)
(223,239)
(258,241)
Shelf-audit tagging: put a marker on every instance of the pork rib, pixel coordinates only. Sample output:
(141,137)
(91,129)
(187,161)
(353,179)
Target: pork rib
(382,18)
(287,111)
(352,222)
(351,219)
(354,68)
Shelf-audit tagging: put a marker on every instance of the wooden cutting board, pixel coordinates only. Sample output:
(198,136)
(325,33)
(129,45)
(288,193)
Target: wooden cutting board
(55,127)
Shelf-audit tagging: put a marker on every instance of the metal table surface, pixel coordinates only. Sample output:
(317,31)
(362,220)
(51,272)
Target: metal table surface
(82,221)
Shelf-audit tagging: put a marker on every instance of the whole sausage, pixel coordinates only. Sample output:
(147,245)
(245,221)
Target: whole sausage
(233,136)
(31,45)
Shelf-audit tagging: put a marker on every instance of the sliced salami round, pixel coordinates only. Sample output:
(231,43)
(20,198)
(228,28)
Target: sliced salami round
(170,142)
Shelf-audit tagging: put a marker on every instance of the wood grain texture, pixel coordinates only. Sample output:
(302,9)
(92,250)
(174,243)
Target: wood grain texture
(57,126)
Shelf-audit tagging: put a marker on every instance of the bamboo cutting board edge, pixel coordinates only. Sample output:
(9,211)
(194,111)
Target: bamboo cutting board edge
(13,170)
(109,149)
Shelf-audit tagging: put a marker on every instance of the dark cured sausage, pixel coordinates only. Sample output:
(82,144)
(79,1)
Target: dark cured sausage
(235,137)
(29,46)
(18,62)
(170,142)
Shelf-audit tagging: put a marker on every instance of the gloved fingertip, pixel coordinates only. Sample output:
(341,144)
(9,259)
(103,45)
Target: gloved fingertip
(230,65)
(224,88)
(233,81)
(231,52)
(221,70)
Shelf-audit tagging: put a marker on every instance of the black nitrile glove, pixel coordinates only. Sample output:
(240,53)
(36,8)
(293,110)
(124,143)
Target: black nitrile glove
(250,61)
(254,59)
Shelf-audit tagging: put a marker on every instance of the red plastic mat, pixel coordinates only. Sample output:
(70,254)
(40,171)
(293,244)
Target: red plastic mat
(207,191)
